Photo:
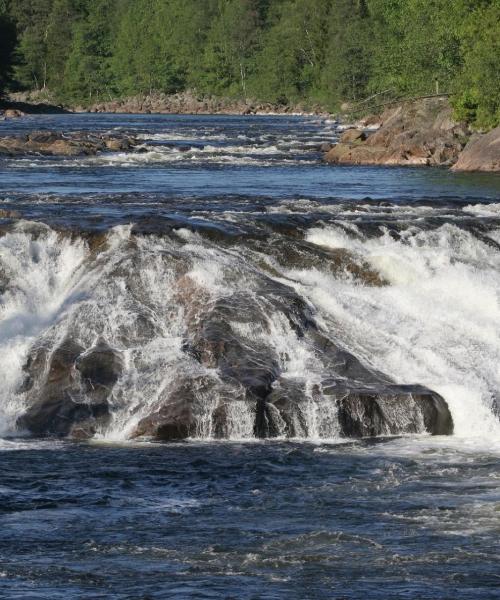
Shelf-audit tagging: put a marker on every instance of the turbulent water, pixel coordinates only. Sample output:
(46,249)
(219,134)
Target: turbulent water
(220,264)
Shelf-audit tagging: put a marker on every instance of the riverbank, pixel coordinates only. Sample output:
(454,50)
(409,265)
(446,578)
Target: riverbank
(184,103)
(413,133)
(418,133)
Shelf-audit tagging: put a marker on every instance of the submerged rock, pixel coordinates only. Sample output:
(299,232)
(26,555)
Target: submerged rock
(58,144)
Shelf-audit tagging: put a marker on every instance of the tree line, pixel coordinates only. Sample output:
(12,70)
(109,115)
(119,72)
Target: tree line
(317,52)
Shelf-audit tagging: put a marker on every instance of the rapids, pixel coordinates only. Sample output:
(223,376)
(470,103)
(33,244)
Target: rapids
(222,286)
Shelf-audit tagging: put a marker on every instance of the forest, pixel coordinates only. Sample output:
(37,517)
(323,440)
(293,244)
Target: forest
(316,52)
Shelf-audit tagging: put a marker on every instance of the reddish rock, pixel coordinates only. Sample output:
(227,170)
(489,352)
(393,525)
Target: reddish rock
(352,135)
(417,133)
(482,153)
(13,113)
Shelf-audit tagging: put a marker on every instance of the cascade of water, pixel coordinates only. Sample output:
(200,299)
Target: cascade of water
(200,327)
(437,320)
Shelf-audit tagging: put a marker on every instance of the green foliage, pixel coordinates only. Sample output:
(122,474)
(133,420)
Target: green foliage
(477,97)
(7,45)
(311,51)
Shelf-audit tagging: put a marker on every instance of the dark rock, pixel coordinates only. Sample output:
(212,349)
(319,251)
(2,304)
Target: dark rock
(67,389)
(177,417)
(392,411)
(216,345)
(43,137)
(362,411)
(100,365)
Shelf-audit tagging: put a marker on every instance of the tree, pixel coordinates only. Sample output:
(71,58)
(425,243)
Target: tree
(477,94)
(31,17)
(7,45)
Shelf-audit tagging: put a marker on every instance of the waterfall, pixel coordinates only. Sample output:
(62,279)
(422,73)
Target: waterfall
(180,333)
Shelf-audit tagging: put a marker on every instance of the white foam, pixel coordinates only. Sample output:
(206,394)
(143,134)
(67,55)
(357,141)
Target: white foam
(436,323)
(42,270)
(484,210)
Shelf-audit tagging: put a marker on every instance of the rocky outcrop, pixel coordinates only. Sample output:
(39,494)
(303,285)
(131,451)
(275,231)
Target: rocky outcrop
(362,411)
(49,143)
(417,133)
(190,103)
(68,391)
(392,410)
(232,356)
(482,153)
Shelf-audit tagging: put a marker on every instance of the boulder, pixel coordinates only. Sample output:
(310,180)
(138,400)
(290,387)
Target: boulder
(349,136)
(369,411)
(194,405)
(393,410)
(57,144)
(482,153)
(412,134)
(13,113)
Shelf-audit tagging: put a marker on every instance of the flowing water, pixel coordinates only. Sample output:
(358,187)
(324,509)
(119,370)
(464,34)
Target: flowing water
(229,232)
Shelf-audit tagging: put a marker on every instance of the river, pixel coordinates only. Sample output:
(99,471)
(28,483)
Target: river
(221,265)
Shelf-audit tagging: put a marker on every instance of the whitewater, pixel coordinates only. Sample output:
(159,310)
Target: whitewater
(203,337)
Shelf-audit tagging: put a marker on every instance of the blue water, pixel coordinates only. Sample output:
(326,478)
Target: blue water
(253,156)
(413,517)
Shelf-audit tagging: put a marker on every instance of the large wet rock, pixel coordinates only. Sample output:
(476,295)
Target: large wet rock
(303,255)
(67,390)
(392,410)
(48,143)
(372,411)
(216,344)
(249,355)
(194,406)
(414,133)
(482,153)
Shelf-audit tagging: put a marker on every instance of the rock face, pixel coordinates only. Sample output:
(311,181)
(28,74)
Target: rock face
(69,391)
(418,133)
(57,144)
(394,410)
(482,153)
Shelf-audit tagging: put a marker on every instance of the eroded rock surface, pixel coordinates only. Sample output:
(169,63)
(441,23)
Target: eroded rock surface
(59,144)
(482,153)
(250,359)
(417,133)
(67,390)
